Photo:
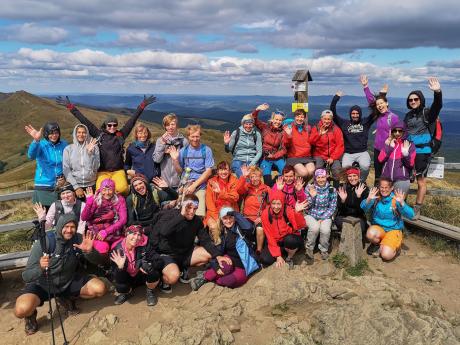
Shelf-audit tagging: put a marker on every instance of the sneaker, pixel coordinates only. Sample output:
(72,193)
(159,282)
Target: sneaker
(184,277)
(290,263)
(325,255)
(122,298)
(165,288)
(373,250)
(197,282)
(417,209)
(151,297)
(31,324)
(67,305)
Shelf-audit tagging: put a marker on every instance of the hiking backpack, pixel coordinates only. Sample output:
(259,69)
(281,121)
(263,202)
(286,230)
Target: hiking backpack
(237,137)
(436,133)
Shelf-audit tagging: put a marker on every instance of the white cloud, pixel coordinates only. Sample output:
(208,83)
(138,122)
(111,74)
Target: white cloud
(33,33)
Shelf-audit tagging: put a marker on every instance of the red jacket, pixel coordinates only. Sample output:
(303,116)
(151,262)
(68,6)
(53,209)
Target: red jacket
(251,198)
(272,138)
(298,144)
(277,229)
(328,145)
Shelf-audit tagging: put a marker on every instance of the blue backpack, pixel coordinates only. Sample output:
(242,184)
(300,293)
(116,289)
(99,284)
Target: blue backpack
(244,251)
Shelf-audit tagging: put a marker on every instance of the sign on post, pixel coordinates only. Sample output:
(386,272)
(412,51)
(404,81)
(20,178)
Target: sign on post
(436,168)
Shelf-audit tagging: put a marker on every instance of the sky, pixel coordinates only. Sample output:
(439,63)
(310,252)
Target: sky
(227,47)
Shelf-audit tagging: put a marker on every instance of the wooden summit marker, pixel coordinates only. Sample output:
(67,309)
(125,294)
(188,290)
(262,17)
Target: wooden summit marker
(300,86)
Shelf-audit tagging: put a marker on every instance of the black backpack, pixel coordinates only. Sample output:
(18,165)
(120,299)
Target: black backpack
(237,137)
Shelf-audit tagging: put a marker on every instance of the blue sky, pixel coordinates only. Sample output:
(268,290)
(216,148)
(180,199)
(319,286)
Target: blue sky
(222,47)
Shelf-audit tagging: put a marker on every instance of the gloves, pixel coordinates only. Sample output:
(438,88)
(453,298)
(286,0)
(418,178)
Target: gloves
(147,100)
(65,102)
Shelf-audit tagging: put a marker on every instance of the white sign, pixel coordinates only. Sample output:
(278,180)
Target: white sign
(299,86)
(436,168)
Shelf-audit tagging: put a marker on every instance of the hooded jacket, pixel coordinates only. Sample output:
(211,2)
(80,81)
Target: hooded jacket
(352,205)
(387,212)
(253,198)
(272,138)
(417,129)
(275,226)
(384,122)
(48,156)
(246,150)
(79,166)
(291,195)
(355,134)
(141,161)
(298,143)
(228,196)
(323,205)
(64,261)
(397,166)
(328,145)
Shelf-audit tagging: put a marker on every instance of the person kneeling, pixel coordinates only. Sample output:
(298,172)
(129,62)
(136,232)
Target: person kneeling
(55,275)
(133,265)
(385,233)
(231,264)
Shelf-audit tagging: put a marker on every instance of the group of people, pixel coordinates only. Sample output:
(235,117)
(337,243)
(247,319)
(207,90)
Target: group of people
(146,214)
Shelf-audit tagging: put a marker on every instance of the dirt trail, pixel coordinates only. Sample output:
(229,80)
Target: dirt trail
(413,300)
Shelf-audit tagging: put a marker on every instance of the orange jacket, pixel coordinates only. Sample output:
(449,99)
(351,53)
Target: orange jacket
(228,196)
(252,196)
(328,145)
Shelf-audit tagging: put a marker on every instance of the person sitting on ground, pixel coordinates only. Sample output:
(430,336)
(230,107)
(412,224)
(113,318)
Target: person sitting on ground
(421,124)
(111,141)
(387,209)
(143,202)
(350,196)
(170,138)
(253,196)
(61,268)
(139,155)
(81,161)
(327,141)
(105,215)
(355,132)
(291,186)
(398,157)
(47,152)
(245,144)
(273,148)
(173,237)
(199,159)
(221,191)
(322,204)
(133,264)
(67,203)
(230,264)
(297,142)
(385,121)
(282,225)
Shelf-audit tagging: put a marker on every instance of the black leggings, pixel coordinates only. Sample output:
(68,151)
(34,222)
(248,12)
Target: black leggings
(378,167)
(124,282)
(289,242)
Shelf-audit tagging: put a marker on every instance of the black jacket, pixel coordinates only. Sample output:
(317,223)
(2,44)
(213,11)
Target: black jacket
(351,206)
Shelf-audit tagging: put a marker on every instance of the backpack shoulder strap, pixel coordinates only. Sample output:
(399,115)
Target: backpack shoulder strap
(203,151)
(77,208)
(185,154)
(237,137)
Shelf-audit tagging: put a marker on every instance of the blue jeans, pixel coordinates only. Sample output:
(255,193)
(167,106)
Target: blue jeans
(266,166)
(236,167)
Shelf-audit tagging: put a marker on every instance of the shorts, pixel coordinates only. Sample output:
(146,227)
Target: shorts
(73,290)
(422,162)
(299,160)
(181,261)
(392,238)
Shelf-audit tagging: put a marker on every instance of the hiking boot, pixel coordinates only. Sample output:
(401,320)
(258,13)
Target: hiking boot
(165,288)
(67,305)
(325,255)
(373,250)
(122,298)
(290,263)
(417,209)
(151,297)
(184,276)
(197,282)
(309,256)
(31,324)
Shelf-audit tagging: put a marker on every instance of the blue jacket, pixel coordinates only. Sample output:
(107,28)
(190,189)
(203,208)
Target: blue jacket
(49,161)
(142,162)
(387,212)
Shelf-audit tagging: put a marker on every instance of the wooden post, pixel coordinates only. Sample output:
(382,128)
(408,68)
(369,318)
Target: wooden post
(300,86)
(351,240)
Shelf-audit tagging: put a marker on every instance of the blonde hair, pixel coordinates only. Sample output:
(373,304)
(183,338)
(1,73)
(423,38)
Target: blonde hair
(141,127)
(253,169)
(170,118)
(193,128)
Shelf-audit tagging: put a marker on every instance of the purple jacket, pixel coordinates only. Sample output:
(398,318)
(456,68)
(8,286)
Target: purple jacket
(397,167)
(384,122)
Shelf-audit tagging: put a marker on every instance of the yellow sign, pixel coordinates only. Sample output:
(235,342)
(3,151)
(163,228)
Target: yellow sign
(303,106)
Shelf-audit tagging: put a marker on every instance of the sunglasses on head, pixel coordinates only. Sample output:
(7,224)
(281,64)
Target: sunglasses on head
(112,125)
(411,100)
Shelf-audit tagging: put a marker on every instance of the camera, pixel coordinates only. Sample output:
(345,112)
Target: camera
(177,142)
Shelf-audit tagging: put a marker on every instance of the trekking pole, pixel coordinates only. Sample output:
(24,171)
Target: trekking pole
(183,183)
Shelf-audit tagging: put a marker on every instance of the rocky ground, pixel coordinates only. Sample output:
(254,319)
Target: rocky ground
(413,300)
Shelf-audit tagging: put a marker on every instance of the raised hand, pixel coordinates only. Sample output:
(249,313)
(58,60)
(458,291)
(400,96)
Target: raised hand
(363,80)
(227,137)
(312,190)
(300,206)
(149,100)
(299,183)
(118,259)
(264,106)
(373,193)
(91,145)
(64,101)
(360,189)
(288,130)
(245,170)
(131,172)
(160,182)
(342,192)
(87,244)
(174,153)
(434,84)
(36,135)
(384,89)
(165,138)
(405,148)
(400,196)
(280,182)
(89,191)
(215,187)
(339,93)
(40,211)
(80,193)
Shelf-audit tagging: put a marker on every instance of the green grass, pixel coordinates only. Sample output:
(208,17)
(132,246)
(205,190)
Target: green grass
(14,241)
(340,260)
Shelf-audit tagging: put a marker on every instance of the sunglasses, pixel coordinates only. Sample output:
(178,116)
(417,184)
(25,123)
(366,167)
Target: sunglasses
(112,125)
(412,100)
(397,131)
